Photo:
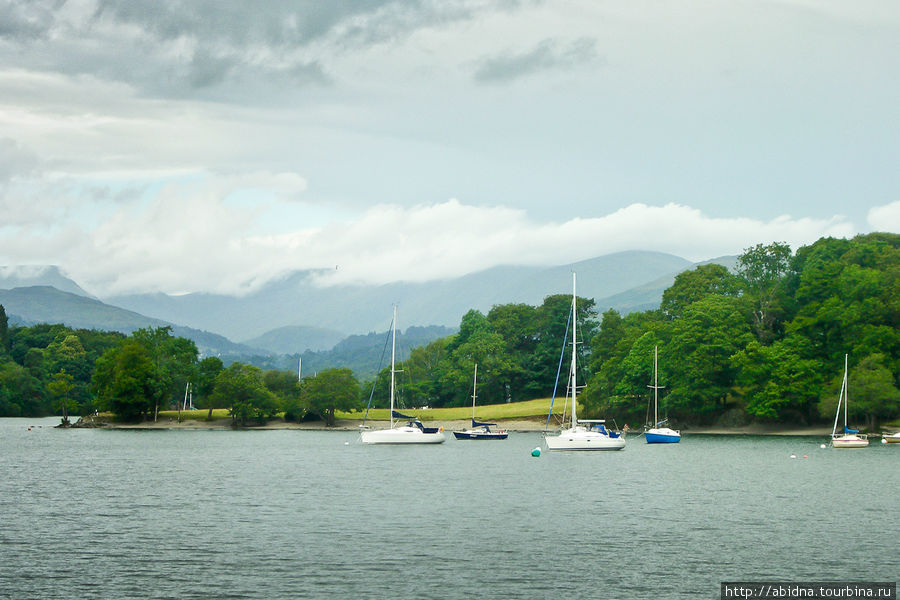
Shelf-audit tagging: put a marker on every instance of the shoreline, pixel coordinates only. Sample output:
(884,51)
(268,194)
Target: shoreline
(513,425)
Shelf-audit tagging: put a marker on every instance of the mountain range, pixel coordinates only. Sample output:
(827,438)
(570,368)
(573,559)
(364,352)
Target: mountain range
(296,299)
(293,313)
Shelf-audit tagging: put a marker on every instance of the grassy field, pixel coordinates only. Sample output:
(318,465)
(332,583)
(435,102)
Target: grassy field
(195,415)
(491,412)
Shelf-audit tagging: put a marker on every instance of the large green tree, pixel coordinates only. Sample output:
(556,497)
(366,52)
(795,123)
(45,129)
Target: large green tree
(330,390)
(123,381)
(241,389)
(207,371)
(174,360)
(763,269)
(61,386)
(696,284)
(777,381)
(21,393)
(846,297)
(553,328)
(621,360)
(422,373)
(700,350)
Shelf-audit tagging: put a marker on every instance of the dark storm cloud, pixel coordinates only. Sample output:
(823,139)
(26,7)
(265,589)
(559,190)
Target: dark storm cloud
(26,21)
(549,54)
(213,49)
(238,23)
(292,23)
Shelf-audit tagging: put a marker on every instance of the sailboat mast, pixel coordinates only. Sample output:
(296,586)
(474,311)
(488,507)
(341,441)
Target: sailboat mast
(574,383)
(393,355)
(655,389)
(474,386)
(837,414)
(846,392)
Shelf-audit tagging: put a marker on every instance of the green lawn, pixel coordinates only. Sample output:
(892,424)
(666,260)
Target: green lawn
(195,415)
(490,412)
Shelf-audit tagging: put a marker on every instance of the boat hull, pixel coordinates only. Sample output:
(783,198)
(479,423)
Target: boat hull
(584,440)
(662,436)
(401,435)
(892,439)
(480,435)
(850,441)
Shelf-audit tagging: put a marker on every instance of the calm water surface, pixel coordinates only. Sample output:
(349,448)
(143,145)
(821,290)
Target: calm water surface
(300,514)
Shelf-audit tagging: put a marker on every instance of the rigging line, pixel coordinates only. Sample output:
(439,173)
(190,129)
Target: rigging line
(377,371)
(558,369)
(647,416)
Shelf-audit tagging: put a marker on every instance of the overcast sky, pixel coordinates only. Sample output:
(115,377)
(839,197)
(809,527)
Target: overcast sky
(156,145)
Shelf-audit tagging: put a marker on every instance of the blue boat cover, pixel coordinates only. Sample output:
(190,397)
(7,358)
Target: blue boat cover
(848,430)
(480,424)
(397,415)
(599,427)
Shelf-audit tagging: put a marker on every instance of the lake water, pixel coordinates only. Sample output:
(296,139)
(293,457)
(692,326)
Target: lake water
(302,514)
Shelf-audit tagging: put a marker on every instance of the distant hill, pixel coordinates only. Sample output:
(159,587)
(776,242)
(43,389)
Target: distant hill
(295,300)
(363,354)
(36,275)
(45,304)
(296,338)
(649,295)
(320,314)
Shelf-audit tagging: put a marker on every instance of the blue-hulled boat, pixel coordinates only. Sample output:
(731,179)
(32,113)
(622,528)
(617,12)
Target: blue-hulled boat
(659,434)
(662,435)
(479,430)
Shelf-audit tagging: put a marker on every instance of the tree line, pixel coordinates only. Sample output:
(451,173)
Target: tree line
(54,369)
(763,343)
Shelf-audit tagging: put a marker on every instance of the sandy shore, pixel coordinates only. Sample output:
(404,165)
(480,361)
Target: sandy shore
(522,425)
(340,425)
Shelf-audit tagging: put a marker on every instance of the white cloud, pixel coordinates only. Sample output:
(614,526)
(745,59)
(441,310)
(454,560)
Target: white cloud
(450,239)
(188,238)
(115,167)
(885,217)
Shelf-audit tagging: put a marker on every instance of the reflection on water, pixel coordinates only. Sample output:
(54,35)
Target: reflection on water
(300,514)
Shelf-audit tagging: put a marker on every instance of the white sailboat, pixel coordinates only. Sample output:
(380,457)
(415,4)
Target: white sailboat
(850,438)
(585,434)
(413,432)
(658,434)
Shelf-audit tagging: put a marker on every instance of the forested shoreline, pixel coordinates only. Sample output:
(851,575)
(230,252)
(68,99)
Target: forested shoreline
(764,344)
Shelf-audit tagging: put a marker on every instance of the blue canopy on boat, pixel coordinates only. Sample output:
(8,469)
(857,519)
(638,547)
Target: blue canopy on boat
(398,415)
(480,424)
(848,430)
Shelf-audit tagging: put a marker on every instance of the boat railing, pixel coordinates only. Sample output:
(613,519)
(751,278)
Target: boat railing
(841,435)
